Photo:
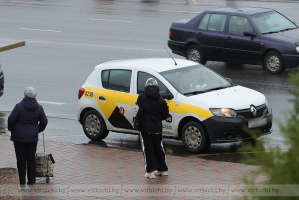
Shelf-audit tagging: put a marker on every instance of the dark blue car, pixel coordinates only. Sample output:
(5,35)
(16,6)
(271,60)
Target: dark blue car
(239,34)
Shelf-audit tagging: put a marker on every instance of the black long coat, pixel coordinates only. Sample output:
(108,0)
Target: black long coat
(154,108)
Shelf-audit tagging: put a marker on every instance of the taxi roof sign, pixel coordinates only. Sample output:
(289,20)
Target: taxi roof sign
(7,45)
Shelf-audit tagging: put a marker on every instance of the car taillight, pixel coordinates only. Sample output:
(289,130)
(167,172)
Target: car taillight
(170,33)
(81,92)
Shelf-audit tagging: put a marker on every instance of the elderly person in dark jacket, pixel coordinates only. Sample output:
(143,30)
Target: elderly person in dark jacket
(25,122)
(155,110)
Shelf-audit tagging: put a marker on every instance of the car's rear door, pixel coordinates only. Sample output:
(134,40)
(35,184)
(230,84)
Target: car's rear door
(211,36)
(115,97)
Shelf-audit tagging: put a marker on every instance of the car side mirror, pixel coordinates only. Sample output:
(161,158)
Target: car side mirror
(249,33)
(166,95)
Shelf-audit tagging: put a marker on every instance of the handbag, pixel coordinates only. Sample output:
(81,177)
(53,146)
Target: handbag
(138,120)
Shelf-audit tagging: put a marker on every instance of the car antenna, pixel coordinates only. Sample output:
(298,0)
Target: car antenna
(170,56)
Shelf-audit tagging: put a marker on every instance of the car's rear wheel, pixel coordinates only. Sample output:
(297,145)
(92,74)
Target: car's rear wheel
(273,62)
(195,138)
(94,125)
(195,54)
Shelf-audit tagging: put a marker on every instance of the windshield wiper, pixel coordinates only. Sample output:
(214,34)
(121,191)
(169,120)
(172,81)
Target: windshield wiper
(217,88)
(194,92)
(209,90)
(287,29)
(271,32)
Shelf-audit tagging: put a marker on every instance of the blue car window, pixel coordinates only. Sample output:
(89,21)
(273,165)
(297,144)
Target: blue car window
(237,25)
(204,22)
(217,22)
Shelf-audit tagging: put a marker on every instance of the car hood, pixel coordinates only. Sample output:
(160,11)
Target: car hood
(237,98)
(291,36)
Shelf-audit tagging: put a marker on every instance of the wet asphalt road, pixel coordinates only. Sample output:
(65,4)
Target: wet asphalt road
(66,39)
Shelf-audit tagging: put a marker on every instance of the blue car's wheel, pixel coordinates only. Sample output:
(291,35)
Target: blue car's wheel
(273,62)
(195,54)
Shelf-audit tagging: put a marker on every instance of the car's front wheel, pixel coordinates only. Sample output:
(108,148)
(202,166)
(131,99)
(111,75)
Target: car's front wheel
(195,54)
(94,125)
(273,62)
(194,137)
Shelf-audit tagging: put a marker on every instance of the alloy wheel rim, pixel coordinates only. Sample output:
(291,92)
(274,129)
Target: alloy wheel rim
(194,55)
(193,137)
(92,125)
(273,63)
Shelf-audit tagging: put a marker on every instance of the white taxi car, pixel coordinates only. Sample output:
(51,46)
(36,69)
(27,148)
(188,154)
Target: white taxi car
(205,108)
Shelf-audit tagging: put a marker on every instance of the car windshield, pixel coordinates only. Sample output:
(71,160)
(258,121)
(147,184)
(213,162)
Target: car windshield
(195,79)
(272,22)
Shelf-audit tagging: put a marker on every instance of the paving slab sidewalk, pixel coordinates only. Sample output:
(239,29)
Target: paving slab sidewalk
(93,172)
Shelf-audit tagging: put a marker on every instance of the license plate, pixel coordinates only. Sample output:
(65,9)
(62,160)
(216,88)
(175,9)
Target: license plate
(257,123)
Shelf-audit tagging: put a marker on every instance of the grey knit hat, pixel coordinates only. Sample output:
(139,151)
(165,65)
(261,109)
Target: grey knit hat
(30,92)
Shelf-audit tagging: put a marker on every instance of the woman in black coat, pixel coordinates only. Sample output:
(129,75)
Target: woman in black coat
(25,122)
(155,110)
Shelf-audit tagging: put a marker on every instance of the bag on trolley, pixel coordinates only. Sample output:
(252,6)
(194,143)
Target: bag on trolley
(44,164)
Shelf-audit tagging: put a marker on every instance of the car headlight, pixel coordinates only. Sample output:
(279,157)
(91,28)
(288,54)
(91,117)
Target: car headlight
(223,112)
(297,49)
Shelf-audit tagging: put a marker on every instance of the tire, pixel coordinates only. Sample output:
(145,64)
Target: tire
(273,63)
(195,138)
(194,53)
(94,126)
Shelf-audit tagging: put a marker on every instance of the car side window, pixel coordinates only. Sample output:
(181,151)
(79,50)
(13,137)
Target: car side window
(237,25)
(216,22)
(204,22)
(116,79)
(142,78)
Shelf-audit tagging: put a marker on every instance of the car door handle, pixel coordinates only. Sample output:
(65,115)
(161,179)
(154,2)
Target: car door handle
(229,38)
(200,33)
(102,98)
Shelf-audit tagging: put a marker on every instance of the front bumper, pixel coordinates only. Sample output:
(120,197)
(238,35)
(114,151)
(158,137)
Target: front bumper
(291,61)
(223,130)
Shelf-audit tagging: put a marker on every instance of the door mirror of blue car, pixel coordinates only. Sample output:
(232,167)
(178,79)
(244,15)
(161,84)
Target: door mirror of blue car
(249,33)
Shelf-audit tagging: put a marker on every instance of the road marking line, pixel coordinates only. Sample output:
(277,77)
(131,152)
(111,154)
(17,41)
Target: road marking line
(91,45)
(111,20)
(27,2)
(33,29)
(51,102)
(173,11)
(2,117)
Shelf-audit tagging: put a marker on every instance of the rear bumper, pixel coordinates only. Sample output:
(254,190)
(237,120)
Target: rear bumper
(177,47)
(291,61)
(1,85)
(223,130)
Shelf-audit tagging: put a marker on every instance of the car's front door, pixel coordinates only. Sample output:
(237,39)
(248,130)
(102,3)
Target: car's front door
(168,124)
(210,35)
(238,46)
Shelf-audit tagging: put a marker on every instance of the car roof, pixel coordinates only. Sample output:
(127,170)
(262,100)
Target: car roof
(156,64)
(244,10)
